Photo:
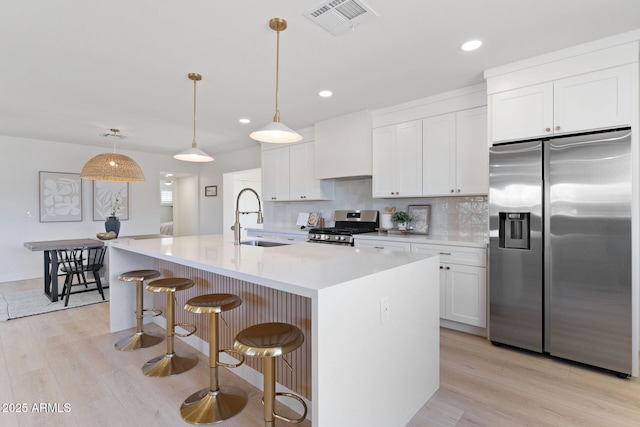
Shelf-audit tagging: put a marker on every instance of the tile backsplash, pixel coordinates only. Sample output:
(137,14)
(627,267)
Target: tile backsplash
(450,216)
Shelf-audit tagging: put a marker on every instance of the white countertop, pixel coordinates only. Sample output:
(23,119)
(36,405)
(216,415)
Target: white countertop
(298,267)
(443,239)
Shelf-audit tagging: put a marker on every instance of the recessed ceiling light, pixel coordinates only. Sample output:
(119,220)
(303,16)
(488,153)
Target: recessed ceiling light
(244,121)
(325,93)
(471,45)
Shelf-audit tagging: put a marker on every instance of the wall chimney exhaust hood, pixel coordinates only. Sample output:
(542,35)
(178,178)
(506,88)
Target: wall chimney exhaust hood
(343,146)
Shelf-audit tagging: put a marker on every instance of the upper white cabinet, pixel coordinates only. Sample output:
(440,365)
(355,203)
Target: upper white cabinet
(343,146)
(397,160)
(288,174)
(455,155)
(593,100)
(275,174)
(302,183)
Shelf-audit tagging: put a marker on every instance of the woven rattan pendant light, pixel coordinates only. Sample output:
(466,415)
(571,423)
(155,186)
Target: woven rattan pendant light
(112,166)
(276,132)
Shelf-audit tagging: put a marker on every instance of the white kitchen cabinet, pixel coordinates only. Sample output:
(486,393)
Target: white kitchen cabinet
(463,282)
(288,174)
(275,174)
(455,154)
(278,234)
(302,183)
(385,245)
(397,160)
(594,100)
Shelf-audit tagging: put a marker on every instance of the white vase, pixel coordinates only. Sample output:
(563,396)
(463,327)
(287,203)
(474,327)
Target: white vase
(385,221)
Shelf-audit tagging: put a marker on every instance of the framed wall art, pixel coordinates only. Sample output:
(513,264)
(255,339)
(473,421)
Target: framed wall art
(211,191)
(110,198)
(60,197)
(420,215)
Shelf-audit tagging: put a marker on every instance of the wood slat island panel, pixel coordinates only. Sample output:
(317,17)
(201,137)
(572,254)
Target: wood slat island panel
(259,305)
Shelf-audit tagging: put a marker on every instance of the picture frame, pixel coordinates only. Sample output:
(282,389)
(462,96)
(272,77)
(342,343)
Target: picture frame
(420,216)
(104,197)
(211,191)
(60,196)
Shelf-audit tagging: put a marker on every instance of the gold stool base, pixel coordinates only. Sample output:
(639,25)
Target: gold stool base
(208,407)
(138,341)
(169,364)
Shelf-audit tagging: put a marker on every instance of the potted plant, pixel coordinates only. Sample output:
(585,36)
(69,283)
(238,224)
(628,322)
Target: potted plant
(401,218)
(113,222)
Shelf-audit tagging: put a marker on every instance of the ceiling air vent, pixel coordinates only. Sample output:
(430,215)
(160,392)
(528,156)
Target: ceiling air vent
(339,16)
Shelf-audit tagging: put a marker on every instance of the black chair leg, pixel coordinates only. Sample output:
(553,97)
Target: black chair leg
(67,283)
(96,276)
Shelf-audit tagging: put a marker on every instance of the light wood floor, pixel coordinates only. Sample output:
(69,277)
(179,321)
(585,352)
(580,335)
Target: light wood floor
(67,357)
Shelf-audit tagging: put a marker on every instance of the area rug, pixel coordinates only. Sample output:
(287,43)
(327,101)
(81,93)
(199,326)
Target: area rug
(33,301)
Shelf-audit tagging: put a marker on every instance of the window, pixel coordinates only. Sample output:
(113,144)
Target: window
(166,197)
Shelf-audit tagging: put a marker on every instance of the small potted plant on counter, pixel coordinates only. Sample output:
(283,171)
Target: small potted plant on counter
(402,219)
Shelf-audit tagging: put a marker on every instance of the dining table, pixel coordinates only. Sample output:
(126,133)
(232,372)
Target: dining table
(49,247)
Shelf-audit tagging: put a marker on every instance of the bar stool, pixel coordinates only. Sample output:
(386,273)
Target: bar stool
(171,363)
(140,339)
(269,340)
(215,403)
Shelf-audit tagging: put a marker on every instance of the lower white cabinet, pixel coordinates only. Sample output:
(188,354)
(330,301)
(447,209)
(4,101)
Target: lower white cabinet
(463,282)
(463,277)
(271,234)
(387,245)
(463,294)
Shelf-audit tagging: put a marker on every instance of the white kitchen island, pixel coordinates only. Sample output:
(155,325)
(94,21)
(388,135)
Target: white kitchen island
(374,316)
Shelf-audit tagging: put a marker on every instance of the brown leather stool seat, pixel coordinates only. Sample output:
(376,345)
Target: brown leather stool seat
(216,402)
(140,339)
(171,363)
(269,340)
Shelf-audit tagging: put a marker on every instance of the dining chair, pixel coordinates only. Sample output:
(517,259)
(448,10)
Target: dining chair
(79,262)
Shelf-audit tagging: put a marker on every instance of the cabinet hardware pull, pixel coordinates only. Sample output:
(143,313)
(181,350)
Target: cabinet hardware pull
(547,129)
(448,268)
(557,127)
(445,253)
(289,238)
(458,190)
(441,267)
(379,247)
(451,191)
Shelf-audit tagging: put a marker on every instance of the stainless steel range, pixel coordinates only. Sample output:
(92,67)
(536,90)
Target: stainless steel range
(347,223)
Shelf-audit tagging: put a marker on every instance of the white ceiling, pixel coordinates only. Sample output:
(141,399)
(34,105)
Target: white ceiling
(72,69)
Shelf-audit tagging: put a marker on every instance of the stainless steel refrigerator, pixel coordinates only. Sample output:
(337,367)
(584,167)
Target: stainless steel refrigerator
(560,247)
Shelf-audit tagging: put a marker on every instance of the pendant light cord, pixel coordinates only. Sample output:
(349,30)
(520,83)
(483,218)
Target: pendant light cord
(115,138)
(276,117)
(193,144)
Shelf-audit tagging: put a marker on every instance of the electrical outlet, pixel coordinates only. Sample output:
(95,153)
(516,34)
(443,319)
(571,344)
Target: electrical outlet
(384,309)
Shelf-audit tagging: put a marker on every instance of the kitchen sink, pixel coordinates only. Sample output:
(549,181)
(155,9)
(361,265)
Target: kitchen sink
(262,243)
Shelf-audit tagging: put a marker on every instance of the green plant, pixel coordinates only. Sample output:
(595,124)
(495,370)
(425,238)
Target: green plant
(117,204)
(400,217)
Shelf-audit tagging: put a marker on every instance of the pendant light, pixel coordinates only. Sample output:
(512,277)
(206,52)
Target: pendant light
(276,132)
(112,166)
(194,154)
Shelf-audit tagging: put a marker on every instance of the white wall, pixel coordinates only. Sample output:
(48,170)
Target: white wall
(20,162)
(211,208)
